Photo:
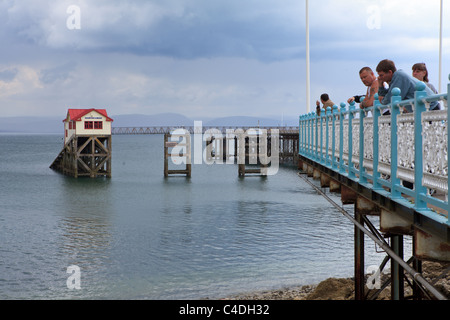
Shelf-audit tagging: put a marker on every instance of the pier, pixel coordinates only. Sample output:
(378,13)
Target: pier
(251,150)
(390,167)
(196,129)
(288,137)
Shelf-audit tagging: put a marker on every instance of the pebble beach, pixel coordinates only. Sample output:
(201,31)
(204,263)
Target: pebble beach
(343,288)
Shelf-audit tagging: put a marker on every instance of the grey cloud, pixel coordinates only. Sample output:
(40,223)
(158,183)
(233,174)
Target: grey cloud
(8,75)
(267,30)
(59,73)
(180,29)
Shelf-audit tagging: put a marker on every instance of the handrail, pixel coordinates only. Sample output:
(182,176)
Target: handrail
(403,156)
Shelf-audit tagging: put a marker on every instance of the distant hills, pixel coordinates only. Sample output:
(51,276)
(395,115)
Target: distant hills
(55,125)
(242,121)
(32,124)
(141,120)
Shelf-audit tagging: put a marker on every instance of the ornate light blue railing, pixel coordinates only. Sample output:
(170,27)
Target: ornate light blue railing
(403,156)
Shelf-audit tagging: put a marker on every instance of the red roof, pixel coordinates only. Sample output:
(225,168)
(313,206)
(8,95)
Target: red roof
(76,114)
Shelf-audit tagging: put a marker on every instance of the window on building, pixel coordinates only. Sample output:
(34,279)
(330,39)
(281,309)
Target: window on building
(98,124)
(88,125)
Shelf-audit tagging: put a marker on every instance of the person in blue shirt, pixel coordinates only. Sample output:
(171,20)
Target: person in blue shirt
(389,77)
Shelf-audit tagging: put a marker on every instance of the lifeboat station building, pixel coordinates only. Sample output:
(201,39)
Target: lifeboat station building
(87,144)
(86,122)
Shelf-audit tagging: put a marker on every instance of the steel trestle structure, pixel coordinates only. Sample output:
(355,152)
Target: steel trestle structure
(194,129)
(393,165)
(288,135)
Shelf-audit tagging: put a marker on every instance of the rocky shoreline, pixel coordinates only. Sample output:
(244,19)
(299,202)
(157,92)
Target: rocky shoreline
(343,288)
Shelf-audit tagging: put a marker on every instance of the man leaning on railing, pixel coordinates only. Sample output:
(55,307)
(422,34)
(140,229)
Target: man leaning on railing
(389,77)
(369,79)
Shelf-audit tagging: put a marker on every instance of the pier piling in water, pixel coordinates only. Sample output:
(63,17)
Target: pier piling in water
(184,153)
(250,149)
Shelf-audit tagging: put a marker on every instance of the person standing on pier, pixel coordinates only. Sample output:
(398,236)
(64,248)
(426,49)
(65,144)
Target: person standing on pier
(420,72)
(326,102)
(389,77)
(369,79)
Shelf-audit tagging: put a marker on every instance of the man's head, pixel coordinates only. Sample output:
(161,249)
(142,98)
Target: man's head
(386,69)
(367,76)
(324,97)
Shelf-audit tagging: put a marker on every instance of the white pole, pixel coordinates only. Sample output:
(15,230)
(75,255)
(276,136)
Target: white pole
(440,50)
(308,89)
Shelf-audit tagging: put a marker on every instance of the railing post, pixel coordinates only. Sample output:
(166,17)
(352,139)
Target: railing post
(419,108)
(448,147)
(376,138)
(303,134)
(316,151)
(327,112)
(333,137)
(300,136)
(341,138)
(395,111)
(351,174)
(311,131)
(308,130)
(362,178)
(306,133)
(313,116)
(321,139)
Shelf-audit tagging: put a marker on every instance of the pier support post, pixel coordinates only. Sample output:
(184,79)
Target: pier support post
(397,285)
(184,151)
(417,265)
(253,151)
(359,257)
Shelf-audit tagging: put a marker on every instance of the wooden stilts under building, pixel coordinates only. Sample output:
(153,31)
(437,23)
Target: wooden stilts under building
(87,144)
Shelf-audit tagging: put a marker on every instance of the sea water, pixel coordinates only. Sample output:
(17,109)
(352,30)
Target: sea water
(139,235)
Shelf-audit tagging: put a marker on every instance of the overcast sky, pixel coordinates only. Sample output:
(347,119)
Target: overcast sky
(204,58)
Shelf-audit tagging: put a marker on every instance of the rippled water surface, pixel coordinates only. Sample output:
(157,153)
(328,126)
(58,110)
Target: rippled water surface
(141,236)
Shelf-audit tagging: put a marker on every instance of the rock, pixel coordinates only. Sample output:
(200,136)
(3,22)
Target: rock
(333,289)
